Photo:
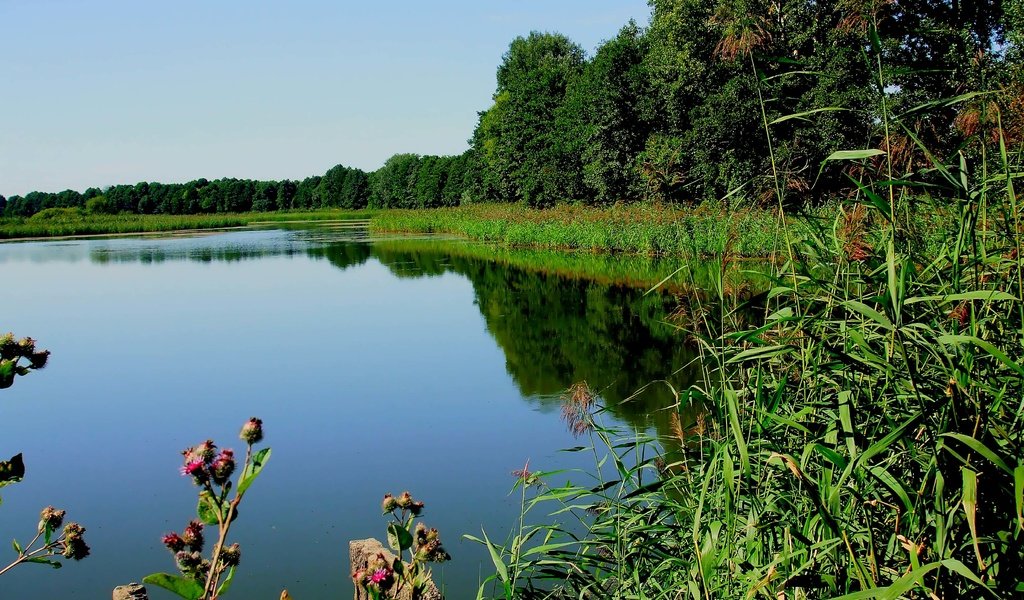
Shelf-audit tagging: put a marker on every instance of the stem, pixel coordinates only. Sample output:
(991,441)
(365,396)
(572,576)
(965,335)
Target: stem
(45,550)
(223,525)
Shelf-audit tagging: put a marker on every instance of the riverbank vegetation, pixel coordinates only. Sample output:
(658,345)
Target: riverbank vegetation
(56,222)
(864,439)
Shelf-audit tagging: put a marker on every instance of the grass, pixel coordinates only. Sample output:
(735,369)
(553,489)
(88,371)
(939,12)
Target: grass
(863,439)
(76,222)
(637,228)
(702,231)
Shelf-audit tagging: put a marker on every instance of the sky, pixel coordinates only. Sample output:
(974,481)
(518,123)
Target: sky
(101,92)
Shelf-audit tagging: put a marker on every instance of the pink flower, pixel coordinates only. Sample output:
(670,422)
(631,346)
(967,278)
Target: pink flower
(379,576)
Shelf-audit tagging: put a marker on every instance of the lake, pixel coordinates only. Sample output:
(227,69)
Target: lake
(377,365)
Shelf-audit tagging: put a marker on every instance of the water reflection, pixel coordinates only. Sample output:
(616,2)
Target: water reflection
(559,318)
(334,338)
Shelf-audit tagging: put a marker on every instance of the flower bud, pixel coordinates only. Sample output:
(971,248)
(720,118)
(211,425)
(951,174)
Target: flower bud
(51,517)
(222,467)
(174,542)
(405,500)
(75,547)
(252,431)
(389,504)
(231,555)
(193,535)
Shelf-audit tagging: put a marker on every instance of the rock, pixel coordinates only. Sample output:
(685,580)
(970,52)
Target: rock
(132,591)
(361,551)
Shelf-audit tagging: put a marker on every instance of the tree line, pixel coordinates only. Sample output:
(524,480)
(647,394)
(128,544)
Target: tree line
(715,98)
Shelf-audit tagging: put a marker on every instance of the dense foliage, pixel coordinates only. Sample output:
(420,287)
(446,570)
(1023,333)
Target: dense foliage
(677,111)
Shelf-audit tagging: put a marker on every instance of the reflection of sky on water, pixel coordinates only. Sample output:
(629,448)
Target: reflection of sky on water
(367,382)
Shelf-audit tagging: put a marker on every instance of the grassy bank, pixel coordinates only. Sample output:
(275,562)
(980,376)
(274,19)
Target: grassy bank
(639,228)
(71,221)
(709,229)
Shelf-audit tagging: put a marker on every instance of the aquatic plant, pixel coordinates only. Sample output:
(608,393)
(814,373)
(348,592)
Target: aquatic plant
(211,471)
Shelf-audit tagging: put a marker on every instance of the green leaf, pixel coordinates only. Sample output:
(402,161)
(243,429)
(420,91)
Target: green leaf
(854,154)
(226,584)
(986,346)
(803,115)
(207,510)
(17,547)
(43,561)
(399,538)
(189,589)
(253,469)
(757,353)
(869,312)
(981,449)
(1018,479)
(12,471)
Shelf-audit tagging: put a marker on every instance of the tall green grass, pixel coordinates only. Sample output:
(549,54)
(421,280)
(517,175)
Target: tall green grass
(705,230)
(863,440)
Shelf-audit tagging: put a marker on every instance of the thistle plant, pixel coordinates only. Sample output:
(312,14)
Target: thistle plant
(68,542)
(386,577)
(56,542)
(13,352)
(205,578)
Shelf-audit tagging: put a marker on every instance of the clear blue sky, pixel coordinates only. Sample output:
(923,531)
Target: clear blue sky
(101,92)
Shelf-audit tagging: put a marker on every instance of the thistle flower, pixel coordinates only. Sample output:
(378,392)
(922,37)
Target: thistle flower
(174,542)
(188,561)
(51,517)
(193,535)
(75,547)
(8,347)
(381,578)
(388,504)
(196,469)
(223,466)
(231,555)
(252,431)
(405,500)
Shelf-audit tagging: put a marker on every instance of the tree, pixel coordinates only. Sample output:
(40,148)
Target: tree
(518,135)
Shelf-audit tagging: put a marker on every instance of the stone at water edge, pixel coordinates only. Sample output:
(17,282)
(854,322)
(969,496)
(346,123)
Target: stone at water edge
(361,551)
(132,591)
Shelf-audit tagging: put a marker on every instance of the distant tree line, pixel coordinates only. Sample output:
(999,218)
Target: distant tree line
(677,112)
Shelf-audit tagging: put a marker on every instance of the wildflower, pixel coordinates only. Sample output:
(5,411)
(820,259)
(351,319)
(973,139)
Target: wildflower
(388,504)
(50,517)
(193,535)
(231,555)
(358,577)
(174,542)
(223,466)
(196,469)
(252,431)
(405,500)
(380,578)
(75,547)
(188,562)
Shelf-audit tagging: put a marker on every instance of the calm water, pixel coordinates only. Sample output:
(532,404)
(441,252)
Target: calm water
(376,365)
